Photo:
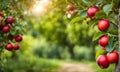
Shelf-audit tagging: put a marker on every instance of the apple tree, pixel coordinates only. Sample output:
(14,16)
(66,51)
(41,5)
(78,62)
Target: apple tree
(11,29)
(105,16)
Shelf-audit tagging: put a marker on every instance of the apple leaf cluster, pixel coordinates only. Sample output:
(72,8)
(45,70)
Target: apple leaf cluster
(11,28)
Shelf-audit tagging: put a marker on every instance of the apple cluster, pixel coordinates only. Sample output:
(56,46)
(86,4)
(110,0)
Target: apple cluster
(70,11)
(7,26)
(103,24)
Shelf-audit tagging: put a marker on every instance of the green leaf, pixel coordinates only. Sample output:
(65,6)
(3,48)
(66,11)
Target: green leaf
(92,22)
(83,13)
(107,8)
(86,1)
(110,46)
(113,31)
(100,15)
(100,52)
(97,35)
(77,19)
(99,2)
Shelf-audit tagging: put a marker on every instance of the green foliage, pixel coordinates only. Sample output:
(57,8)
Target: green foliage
(107,8)
(110,46)
(98,35)
(77,19)
(33,64)
(100,15)
(100,52)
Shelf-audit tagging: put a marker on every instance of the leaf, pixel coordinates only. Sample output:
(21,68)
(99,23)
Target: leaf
(83,13)
(92,22)
(100,15)
(110,46)
(86,1)
(77,19)
(107,8)
(99,2)
(113,31)
(100,52)
(97,35)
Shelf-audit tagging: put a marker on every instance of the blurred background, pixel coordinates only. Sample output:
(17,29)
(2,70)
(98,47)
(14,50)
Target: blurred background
(52,39)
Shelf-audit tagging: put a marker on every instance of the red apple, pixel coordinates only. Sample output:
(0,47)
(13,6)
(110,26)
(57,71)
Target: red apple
(9,47)
(113,57)
(102,61)
(70,7)
(92,11)
(10,37)
(1,26)
(103,41)
(16,46)
(6,29)
(18,38)
(103,24)
(9,20)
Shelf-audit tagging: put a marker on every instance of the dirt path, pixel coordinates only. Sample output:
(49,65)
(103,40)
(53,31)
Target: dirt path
(70,67)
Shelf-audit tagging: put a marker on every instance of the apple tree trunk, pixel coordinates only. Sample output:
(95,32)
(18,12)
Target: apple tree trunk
(117,66)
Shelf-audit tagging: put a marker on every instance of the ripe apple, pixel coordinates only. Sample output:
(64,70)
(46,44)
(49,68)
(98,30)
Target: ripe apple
(103,24)
(70,7)
(18,38)
(9,47)
(16,46)
(10,37)
(6,29)
(103,41)
(92,11)
(113,57)
(9,20)
(102,61)
(1,26)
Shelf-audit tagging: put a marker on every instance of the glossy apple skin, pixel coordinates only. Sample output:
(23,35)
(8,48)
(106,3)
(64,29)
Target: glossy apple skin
(16,46)
(18,38)
(103,25)
(9,20)
(9,47)
(102,61)
(113,57)
(6,29)
(70,7)
(92,11)
(103,40)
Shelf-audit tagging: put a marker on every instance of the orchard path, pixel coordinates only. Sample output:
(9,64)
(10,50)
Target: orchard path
(73,67)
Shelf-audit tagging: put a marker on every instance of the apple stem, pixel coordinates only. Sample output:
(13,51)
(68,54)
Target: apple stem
(117,66)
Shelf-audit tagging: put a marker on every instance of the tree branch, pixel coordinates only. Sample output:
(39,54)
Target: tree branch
(117,66)
(114,24)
